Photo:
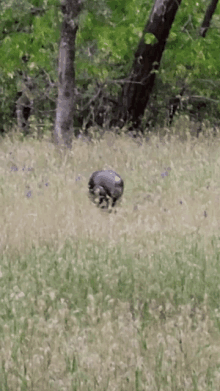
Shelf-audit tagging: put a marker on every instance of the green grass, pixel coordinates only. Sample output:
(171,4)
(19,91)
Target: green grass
(92,300)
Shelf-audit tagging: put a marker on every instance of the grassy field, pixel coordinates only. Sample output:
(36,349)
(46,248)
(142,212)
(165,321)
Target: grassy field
(125,301)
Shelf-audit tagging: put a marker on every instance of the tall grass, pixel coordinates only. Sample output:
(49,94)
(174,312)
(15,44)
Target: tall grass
(92,300)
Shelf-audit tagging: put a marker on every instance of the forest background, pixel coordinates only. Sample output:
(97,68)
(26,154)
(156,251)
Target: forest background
(108,35)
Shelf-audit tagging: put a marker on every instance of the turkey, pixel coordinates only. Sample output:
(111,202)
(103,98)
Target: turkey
(105,184)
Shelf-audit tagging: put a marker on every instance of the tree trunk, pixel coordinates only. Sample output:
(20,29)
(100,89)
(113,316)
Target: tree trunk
(66,74)
(208,16)
(174,104)
(137,90)
(24,103)
(23,111)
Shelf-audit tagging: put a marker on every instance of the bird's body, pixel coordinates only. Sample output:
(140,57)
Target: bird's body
(105,184)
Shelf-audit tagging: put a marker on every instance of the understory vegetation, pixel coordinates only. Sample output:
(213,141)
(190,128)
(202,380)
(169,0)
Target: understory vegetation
(92,300)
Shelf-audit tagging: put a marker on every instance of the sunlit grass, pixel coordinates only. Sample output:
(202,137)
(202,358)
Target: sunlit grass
(92,300)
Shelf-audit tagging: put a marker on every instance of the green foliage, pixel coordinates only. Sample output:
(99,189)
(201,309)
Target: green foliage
(33,35)
(150,39)
(29,36)
(111,35)
(189,57)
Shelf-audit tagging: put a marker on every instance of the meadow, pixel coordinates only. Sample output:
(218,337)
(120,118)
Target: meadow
(125,300)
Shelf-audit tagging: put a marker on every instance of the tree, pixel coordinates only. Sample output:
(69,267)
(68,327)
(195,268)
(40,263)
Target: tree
(66,75)
(207,18)
(137,89)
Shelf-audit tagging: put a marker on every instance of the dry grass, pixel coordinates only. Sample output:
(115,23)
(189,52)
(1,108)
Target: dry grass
(92,300)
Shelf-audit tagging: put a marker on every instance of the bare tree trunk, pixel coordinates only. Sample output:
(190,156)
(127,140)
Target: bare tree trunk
(137,90)
(24,104)
(207,18)
(174,104)
(66,74)
(23,111)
